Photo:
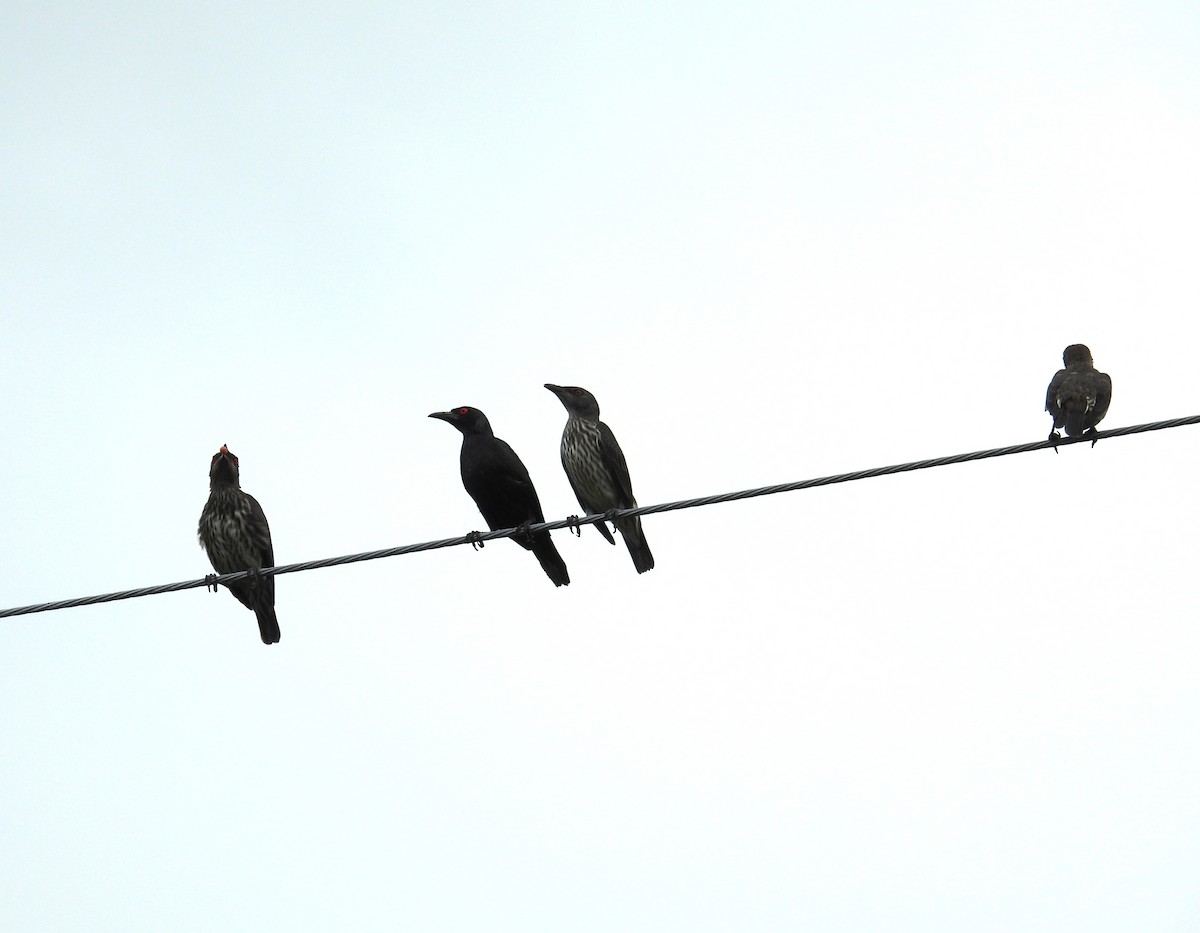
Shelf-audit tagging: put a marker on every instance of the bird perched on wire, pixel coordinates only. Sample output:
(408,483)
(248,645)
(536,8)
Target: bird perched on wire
(497,480)
(1078,396)
(234,532)
(595,465)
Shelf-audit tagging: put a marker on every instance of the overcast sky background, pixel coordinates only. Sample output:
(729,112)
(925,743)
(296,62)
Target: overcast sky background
(777,241)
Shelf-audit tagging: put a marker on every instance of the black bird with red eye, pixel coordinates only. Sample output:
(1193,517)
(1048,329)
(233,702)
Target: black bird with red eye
(497,480)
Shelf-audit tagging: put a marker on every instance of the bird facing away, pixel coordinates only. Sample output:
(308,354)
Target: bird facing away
(1078,396)
(497,480)
(595,465)
(234,532)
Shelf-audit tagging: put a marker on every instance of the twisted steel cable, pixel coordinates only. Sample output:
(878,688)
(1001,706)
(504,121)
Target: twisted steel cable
(574,522)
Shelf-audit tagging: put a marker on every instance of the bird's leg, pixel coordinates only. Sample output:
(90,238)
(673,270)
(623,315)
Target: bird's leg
(1095,435)
(573,524)
(611,516)
(210,582)
(476,540)
(1054,438)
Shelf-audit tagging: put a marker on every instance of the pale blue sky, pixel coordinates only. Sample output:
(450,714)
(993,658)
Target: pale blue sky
(776,241)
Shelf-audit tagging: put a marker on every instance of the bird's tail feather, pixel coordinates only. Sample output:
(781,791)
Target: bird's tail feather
(1076,422)
(268,625)
(551,561)
(635,540)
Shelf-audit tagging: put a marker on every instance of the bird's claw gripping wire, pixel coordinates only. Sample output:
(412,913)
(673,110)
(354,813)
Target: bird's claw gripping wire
(522,532)
(210,582)
(1054,438)
(573,525)
(611,516)
(475,539)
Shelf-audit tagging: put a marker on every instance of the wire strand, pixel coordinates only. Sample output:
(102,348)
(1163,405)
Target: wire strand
(477,538)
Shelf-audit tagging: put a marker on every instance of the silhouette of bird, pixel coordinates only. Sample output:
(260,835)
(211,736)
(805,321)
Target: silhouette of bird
(234,532)
(1078,396)
(497,480)
(595,465)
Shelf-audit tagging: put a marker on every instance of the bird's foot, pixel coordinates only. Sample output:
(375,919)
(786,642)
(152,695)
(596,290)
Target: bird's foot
(573,524)
(1095,435)
(611,516)
(475,539)
(1054,438)
(210,582)
(522,533)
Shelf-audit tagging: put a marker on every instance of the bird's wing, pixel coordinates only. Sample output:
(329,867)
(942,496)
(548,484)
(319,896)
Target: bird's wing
(614,461)
(262,532)
(1103,394)
(518,489)
(1052,394)
(262,541)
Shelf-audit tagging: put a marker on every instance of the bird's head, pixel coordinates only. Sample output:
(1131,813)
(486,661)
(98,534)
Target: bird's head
(224,467)
(1077,353)
(579,402)
(466,419)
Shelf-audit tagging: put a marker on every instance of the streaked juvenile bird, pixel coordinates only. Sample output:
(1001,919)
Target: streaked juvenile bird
(234,532)
(497,480)
(595,465)
(1078,396)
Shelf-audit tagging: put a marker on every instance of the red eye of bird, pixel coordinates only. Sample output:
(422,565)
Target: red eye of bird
(577,392)
(463,411)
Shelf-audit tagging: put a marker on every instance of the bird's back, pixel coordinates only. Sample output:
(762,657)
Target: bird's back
(1081,399)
